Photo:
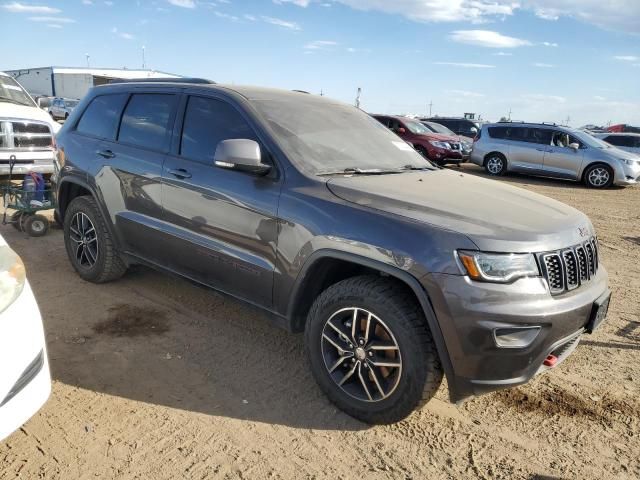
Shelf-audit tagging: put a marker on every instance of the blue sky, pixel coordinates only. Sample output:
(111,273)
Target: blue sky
(545,60)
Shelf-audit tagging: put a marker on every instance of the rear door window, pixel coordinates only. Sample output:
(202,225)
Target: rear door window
(100,119)
(498,132)
(207,122)
(147,120)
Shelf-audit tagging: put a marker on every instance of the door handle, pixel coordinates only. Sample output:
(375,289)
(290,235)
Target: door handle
(180,173)
(106,153)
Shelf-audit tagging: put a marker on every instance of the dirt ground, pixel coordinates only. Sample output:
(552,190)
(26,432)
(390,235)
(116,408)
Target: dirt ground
(156,378)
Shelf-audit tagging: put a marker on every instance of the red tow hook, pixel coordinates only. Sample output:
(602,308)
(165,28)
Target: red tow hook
(550,361)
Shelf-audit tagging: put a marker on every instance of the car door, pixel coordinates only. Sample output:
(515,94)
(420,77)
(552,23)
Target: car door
(222,223)
(131,171)
(526,148)
(560,160)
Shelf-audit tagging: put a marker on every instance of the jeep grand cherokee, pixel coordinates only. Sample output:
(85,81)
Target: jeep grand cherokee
(397,272)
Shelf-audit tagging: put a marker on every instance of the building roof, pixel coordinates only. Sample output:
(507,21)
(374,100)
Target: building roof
(124,73)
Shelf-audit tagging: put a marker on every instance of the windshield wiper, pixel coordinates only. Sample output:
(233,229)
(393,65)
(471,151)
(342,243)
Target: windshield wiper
(360,171)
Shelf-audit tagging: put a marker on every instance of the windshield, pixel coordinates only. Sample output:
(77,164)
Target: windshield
(323,137)
(590,141)
(417,128)
(71,103)
(437,128)
(11,91)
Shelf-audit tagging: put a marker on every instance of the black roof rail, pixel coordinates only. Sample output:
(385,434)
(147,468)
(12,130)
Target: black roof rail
(197,81)
(301,91)
(554,124)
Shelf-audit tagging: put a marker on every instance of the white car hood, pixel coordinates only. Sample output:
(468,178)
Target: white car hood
(11,110)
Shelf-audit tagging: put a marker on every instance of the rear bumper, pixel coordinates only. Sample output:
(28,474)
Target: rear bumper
(25,381)
(469,313)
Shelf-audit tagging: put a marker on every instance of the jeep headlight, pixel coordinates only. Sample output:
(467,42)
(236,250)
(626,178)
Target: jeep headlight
(438,144)
(498,267)
(12,277)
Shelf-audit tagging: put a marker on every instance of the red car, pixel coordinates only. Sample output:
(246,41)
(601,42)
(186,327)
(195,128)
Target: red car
(439,148)
(623,128)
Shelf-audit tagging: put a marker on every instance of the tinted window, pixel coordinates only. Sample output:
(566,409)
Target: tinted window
(145,122)
(450,124)
(383,120)
(498,132)
(206,123)
(100,119)
(530,135)
(620,141)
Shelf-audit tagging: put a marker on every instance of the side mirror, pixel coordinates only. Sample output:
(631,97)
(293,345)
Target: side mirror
(401,130)
(474,130)
(240,154)
(574,146)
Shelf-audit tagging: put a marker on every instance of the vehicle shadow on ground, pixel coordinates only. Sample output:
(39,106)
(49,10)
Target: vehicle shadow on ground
(154,338)
(521,179)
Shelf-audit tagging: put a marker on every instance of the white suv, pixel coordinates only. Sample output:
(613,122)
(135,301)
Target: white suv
(26,131)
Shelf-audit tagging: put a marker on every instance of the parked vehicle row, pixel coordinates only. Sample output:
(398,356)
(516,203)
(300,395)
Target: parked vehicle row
(317,213)
(624,141)
(553,151)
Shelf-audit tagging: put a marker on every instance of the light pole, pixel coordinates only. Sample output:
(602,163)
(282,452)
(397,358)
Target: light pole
(430,106)
(358,97)
(143,59)
(88,57)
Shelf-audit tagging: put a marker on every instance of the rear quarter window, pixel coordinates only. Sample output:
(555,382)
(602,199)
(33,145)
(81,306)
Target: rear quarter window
(100,118)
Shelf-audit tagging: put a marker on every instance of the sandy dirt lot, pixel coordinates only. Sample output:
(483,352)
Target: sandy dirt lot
(156,378)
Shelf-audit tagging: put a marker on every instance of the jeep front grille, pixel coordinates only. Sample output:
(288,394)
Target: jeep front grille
(25,135)
(570,268)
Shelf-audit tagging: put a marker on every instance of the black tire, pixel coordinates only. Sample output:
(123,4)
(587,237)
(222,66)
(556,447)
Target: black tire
(107,265)
(16,220)
(598,176)
(420,374)
(36,225)
(495,164)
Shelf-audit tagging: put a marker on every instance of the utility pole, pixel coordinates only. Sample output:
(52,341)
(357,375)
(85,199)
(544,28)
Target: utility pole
(430,106)
(509,117)
(144,63)
(568,120)
(358,97)
(88,57)
(321,93)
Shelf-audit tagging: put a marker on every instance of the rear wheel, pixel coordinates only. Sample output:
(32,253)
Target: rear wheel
(598,176)
(89,244)
(370,349)
(495,164)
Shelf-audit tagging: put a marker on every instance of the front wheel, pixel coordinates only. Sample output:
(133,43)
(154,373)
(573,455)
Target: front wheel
(370,349)
(89,244)
(496,164)
(598,176)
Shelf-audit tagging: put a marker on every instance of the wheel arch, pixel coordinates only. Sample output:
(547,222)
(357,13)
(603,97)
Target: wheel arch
(327,267)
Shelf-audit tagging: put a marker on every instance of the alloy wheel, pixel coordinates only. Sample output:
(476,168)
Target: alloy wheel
(84,236)
(494,165)
(361,354)
(599,176)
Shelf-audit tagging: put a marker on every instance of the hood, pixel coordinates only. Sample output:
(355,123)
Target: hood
(623,154)
(439,137)
(495,216)
(11,110)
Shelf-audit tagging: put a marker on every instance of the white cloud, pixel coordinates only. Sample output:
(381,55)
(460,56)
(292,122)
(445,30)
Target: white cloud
(320,45)
(487,38)
(16,7)
(618,15)
(183,3)
(539,97)
(599,98)
(233,18)
(251,18)
(549,44)
(52,19)
(465,93)
(503,54)
(282,23)
(542,65)
(54,25)
(627,58)
(465,65)
(87,2)
(123,35)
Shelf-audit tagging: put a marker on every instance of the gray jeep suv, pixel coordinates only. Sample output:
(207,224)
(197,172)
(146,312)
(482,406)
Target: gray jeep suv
(397,272)
(553,151)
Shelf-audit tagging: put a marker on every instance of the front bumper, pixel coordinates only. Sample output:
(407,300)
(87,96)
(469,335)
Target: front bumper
(469,312)
(627,175)
(25,381)
(26,162)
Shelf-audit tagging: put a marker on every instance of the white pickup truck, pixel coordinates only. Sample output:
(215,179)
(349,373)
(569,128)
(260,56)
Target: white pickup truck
(26,131)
